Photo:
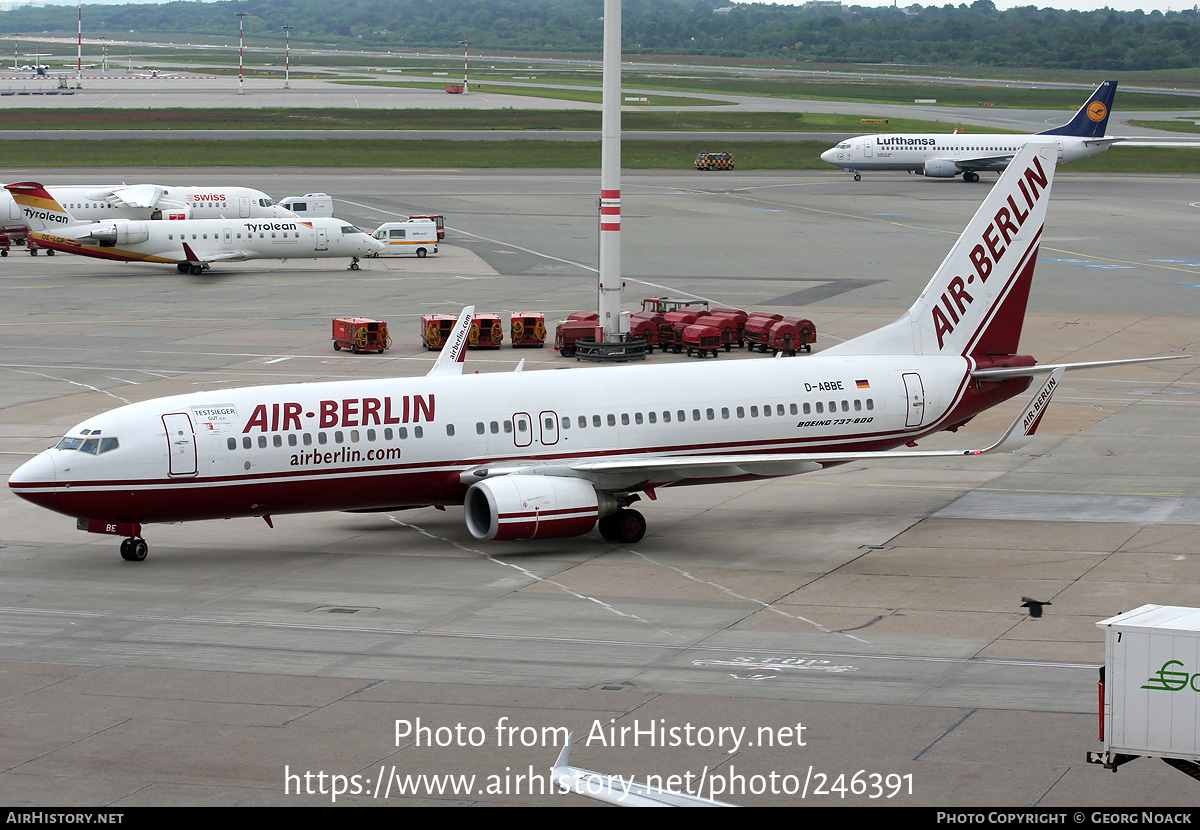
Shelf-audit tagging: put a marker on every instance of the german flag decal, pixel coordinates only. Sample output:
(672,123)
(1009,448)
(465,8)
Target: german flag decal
(862,384)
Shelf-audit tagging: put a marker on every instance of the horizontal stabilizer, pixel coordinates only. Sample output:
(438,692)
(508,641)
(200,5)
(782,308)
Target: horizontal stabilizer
(1031,371)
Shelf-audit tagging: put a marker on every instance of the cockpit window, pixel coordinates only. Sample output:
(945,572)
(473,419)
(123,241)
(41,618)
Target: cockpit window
(265,202)
(350,229)
(92,446)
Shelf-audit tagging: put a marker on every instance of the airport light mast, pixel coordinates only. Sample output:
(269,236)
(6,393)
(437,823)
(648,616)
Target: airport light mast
(287,61)
(240,17)
(79,51)
(466,44)
(610,283)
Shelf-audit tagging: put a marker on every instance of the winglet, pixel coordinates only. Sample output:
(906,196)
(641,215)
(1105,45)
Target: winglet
(450,361)
(1027,422)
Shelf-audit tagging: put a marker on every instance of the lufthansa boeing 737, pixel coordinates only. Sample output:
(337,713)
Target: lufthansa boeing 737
(535,455)
(945,155)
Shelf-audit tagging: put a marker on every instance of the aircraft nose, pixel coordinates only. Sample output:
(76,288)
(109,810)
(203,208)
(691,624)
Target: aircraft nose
(38,470)
(830,156)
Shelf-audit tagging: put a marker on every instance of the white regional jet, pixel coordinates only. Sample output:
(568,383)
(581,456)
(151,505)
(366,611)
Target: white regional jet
(190,244)
(550,454)
(96,203)
(945,155)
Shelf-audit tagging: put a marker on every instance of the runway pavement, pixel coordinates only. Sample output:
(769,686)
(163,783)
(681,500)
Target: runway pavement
(876,606)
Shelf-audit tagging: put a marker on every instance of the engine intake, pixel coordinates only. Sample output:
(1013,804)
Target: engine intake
(941,169)
(534,507)
(121,232)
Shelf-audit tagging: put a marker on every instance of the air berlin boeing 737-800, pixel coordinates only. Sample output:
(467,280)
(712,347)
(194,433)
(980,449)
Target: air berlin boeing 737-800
(551,454)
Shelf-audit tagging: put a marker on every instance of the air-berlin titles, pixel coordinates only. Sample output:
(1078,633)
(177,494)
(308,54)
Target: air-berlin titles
(986,254)
(348,412)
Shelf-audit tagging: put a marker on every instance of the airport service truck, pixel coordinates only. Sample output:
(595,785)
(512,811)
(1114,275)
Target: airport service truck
(319,205)
(414,236)
(1149,690)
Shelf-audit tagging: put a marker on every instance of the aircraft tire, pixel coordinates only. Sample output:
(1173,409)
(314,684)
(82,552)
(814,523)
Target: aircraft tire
(181,267)
(857,177)
(629,526)
(608,527)
(196,270)
(134,549)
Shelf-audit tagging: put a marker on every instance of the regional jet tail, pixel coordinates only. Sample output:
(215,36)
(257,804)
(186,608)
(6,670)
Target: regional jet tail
(540,455)
(942,155)
(192,245)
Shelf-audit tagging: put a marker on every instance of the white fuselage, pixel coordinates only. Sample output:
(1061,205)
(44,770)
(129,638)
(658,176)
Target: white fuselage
(210,240)
(97,203)
(373,444)
(909,151)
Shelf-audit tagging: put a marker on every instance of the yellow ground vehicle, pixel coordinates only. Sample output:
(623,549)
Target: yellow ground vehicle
(714,161)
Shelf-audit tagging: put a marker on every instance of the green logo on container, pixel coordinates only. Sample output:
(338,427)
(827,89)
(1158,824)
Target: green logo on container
(1170,680)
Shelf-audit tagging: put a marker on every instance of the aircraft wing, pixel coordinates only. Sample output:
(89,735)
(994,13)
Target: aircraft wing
(634,472)
(992,162)
(138,195)
(621,792)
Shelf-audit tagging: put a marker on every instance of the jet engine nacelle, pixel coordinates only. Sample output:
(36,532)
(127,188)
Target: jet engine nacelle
(120,232)
(940,169)
(534,507)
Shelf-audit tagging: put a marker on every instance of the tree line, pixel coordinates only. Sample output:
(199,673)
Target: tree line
(957,35)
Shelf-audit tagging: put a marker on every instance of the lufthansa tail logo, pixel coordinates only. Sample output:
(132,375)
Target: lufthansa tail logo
(1097,111)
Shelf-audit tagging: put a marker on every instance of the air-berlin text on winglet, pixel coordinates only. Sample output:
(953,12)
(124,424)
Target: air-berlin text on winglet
(1035,412)
(348,412)
(984,255)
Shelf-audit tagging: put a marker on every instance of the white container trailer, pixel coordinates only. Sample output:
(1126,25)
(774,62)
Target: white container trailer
(1150,688)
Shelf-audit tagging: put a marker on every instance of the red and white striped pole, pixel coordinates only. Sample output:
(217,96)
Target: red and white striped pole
(610,283)
(240,16)
(79,51)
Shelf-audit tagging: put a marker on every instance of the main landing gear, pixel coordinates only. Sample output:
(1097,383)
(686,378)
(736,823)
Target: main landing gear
(970,176)
(188,268)
(625,526)
(134,549)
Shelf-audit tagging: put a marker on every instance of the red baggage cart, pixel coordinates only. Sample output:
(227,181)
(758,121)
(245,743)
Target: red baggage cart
(528,329)
(703,339)
(358,334)
(487,332)
(435,328)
